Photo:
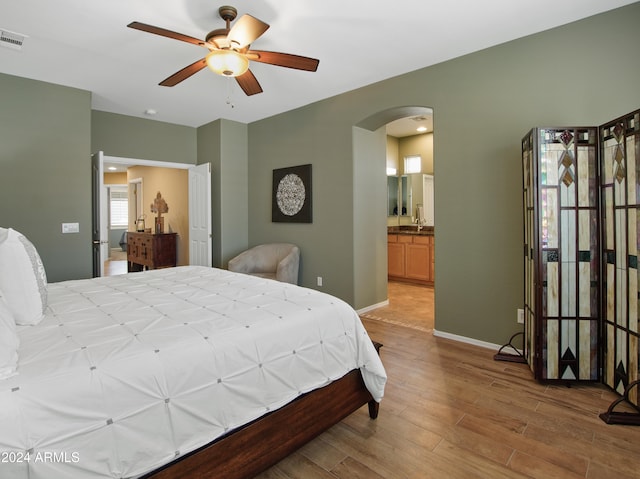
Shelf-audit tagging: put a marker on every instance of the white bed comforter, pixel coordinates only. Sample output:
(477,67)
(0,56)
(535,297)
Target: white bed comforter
(126,373)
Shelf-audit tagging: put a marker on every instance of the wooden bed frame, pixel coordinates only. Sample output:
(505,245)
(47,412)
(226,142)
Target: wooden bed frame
(255,447)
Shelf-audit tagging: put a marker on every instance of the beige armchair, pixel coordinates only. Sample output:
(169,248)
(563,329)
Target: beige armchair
(278,261)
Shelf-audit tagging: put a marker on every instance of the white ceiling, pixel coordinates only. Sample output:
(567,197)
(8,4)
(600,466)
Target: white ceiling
(409,126)
(87,45)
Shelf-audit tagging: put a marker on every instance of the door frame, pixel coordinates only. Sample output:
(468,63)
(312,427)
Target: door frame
(97,214)
(102,207)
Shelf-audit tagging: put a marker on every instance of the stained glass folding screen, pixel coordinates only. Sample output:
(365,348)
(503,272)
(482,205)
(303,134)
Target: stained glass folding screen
(620,221)
(562,252)
(581,204)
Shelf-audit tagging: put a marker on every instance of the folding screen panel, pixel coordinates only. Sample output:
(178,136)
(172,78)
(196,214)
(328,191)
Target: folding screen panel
(620,185)
(562,252)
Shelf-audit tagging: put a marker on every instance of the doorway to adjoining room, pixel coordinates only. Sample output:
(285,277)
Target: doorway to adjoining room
(410,221)
(184,185)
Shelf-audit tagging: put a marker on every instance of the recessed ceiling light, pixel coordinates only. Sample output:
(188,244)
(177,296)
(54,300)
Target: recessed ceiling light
(421,129)
(112,168)
(150,112)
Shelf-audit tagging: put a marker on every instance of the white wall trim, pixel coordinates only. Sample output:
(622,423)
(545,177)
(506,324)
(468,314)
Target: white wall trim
(139,162)
(442,334)
(373,306)
(464,339)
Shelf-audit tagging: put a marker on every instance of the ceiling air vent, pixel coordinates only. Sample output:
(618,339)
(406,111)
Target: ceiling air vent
(11,39)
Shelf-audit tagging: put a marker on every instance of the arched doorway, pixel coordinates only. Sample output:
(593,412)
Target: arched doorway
(410,245)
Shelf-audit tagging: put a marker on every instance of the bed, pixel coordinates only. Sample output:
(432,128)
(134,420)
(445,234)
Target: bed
(180,372)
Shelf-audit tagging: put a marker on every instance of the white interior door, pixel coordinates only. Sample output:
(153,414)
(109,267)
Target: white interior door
(104,227)
(100,232)
(200,241)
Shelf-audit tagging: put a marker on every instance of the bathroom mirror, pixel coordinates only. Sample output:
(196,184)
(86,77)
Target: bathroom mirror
(398,194)
(392,195)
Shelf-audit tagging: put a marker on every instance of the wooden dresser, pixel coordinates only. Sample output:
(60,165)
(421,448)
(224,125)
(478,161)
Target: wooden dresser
(150,251)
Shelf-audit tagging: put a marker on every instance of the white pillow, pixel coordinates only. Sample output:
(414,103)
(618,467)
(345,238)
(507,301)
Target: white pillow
(22,277)
(8,342)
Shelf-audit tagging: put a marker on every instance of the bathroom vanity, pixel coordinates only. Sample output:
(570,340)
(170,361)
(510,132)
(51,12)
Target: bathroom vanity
(410,254)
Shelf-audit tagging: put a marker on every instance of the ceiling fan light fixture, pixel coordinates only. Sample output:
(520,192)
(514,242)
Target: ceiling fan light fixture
(227,63)
(228,51)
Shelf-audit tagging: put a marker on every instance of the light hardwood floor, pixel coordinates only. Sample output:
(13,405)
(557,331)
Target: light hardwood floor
(116,264)
(451,411)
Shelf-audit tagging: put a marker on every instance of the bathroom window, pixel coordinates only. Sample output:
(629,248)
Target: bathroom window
(412,164)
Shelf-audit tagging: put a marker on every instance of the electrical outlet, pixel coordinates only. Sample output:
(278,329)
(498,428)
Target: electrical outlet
(319,280)
(520,316)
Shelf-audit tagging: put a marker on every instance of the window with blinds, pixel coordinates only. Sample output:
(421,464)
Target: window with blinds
(118,207)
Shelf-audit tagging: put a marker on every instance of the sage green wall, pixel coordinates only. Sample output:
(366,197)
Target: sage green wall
(208,148)
(234,194)
(140,138)
(223,143)
(369,203)
(319,134)
(583,73)
(484,103)
(45,171)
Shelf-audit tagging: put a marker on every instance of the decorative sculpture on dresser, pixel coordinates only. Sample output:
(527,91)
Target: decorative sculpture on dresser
(159,206)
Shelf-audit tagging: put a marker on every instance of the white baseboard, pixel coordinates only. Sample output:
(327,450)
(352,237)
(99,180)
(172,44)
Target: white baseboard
(464,339)
(442,334)
(366,309)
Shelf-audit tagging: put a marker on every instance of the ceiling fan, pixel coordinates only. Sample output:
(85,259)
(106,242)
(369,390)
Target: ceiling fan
(229,52)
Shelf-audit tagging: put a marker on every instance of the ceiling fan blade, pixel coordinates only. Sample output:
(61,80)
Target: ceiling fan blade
(185,73)
(284,60)
(249,83)
(166,33)
(245,31)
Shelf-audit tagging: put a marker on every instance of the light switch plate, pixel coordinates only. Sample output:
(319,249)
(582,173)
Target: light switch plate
(70,228)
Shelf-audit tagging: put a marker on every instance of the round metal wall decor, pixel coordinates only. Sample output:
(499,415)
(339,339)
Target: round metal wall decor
(290,194)
(291,197)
